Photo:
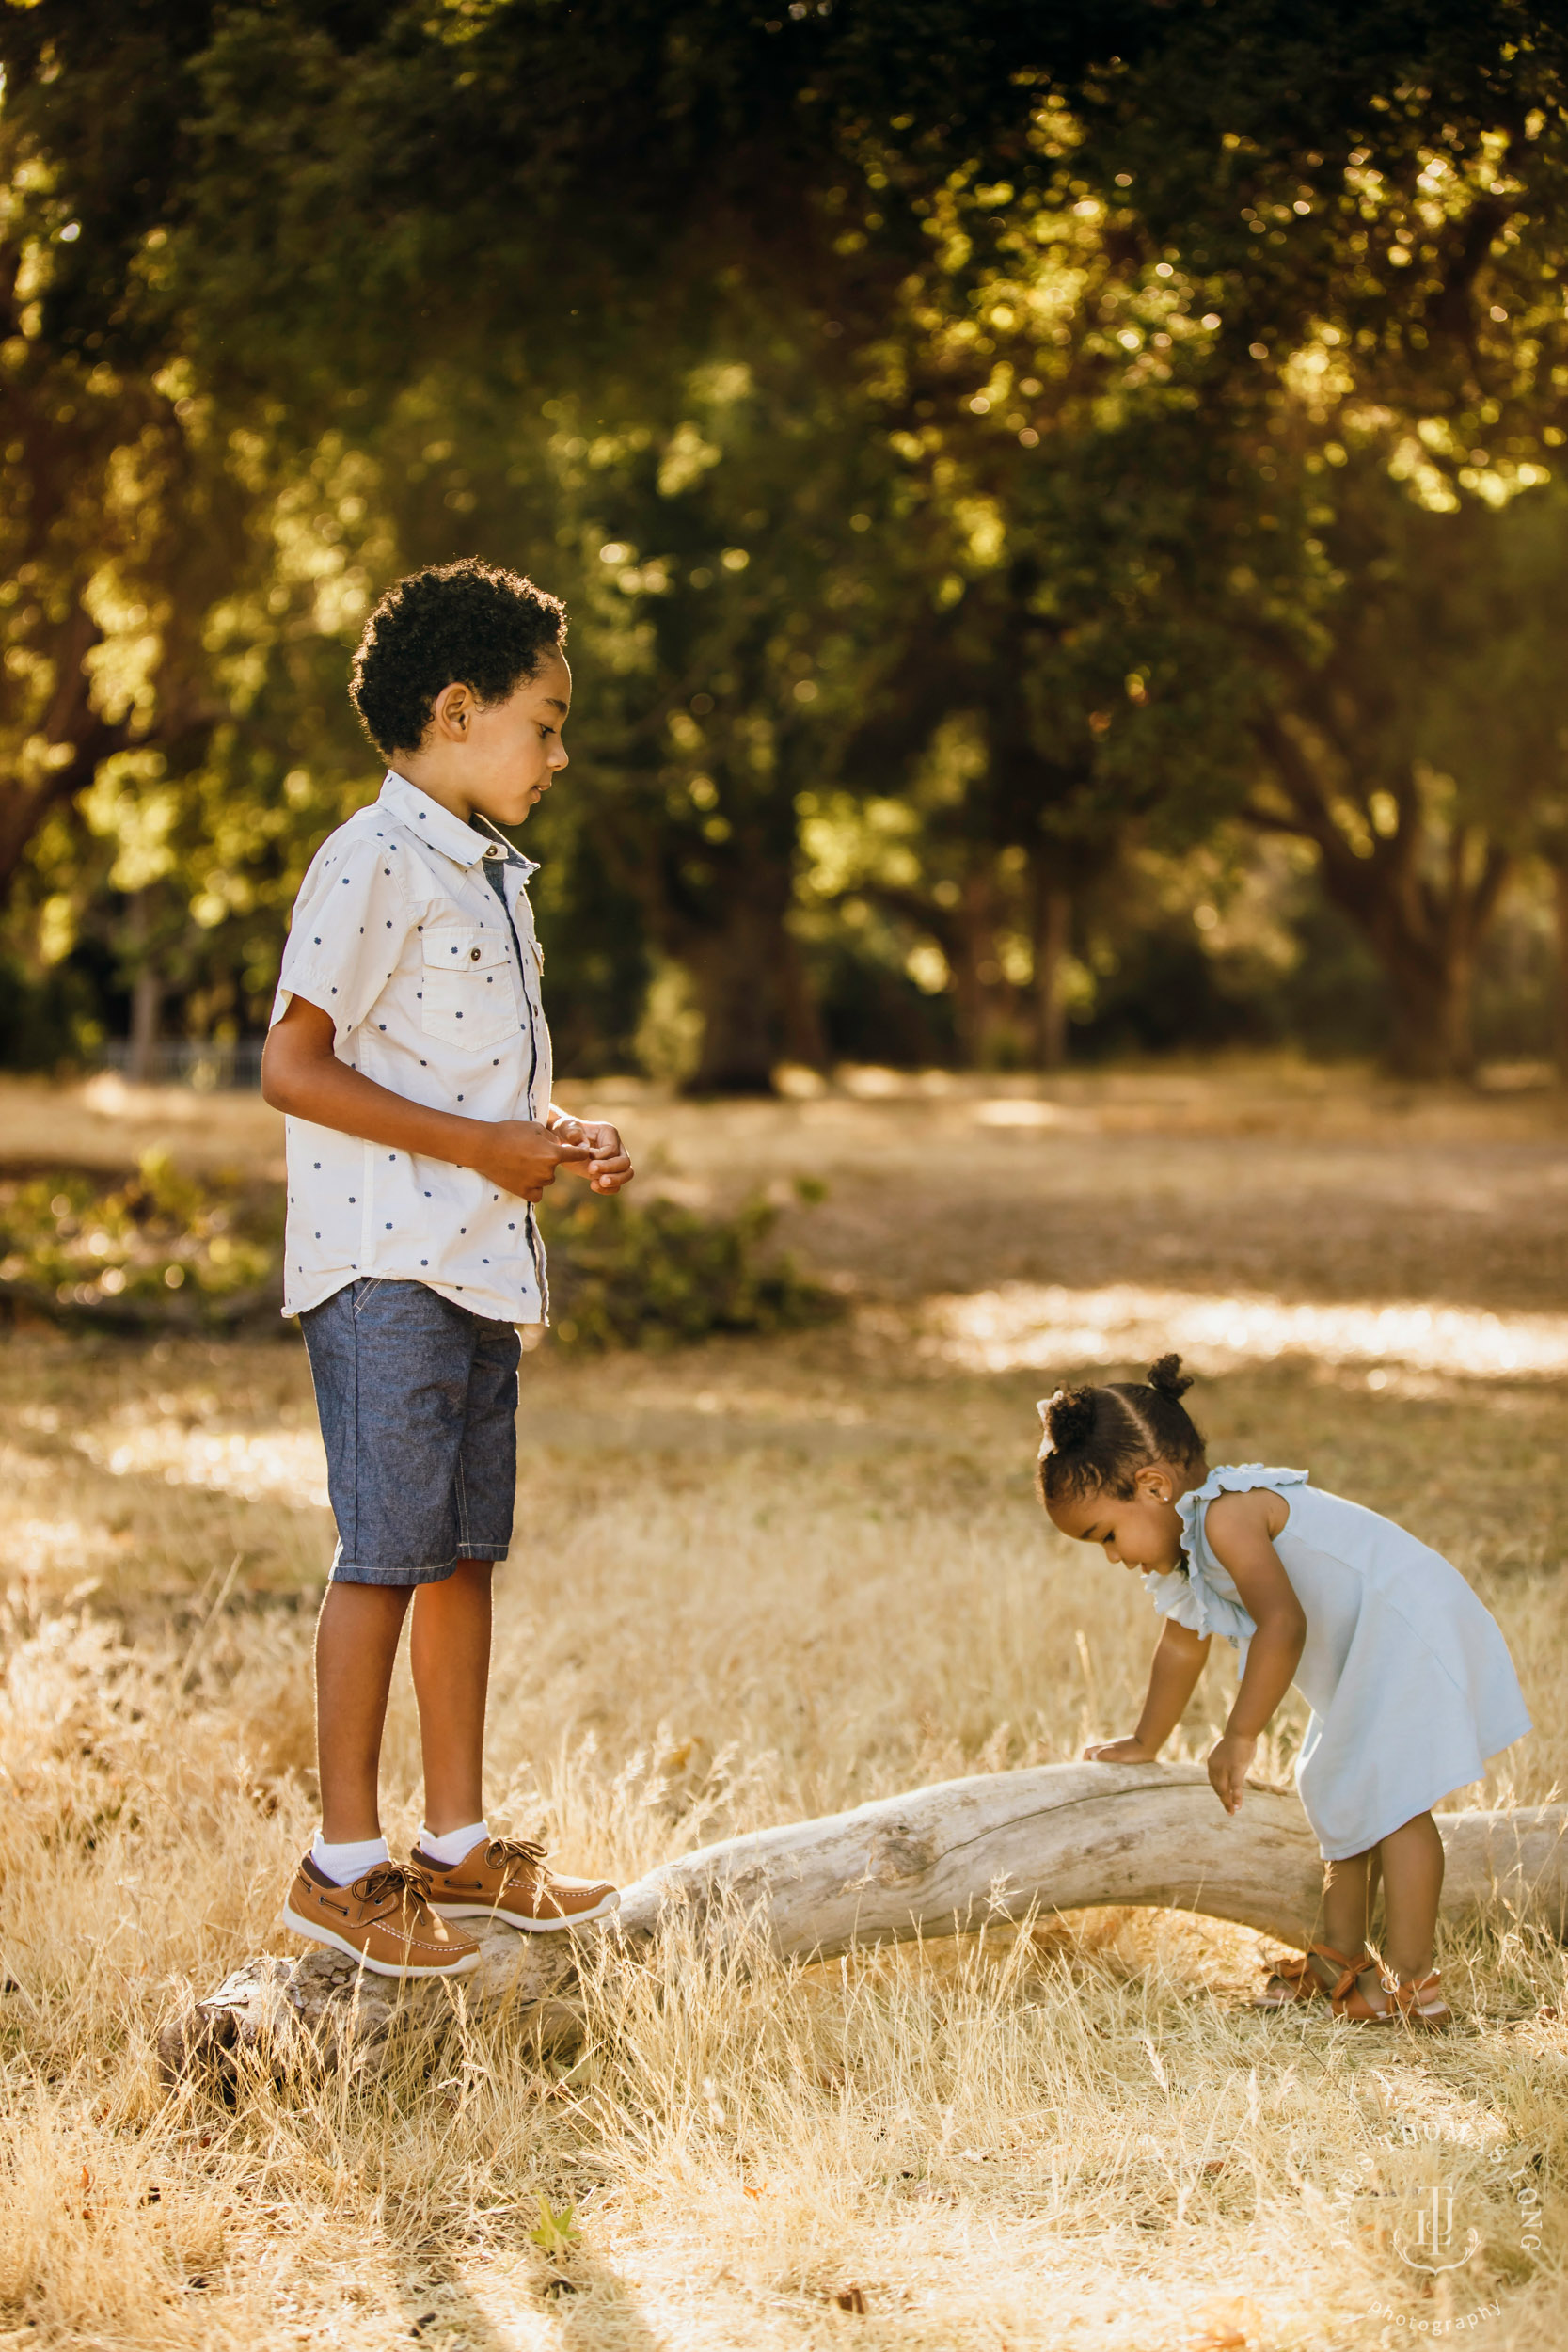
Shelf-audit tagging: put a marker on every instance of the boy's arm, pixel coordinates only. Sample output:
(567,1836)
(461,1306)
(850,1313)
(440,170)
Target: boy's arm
(302,1075)
(1179,1659)
(1240,1530)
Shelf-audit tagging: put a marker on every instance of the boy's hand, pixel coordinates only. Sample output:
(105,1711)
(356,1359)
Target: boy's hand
(521,1156)
(1230,1761)
(1129,1751)
(609,1165)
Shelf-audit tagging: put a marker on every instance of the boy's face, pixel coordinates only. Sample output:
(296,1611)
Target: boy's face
(497,759)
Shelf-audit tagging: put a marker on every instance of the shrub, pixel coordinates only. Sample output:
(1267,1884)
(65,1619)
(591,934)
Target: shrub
(624,1275)
(162,1248)
(154,1247)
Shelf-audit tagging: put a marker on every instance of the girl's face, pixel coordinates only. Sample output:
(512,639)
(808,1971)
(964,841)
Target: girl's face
(1142,1530)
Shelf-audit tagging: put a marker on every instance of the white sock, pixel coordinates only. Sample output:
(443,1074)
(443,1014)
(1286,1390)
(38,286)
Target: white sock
(342,1865)
(454,1844)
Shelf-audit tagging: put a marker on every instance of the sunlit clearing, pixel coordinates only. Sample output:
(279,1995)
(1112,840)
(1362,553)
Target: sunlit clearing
(1047,1325)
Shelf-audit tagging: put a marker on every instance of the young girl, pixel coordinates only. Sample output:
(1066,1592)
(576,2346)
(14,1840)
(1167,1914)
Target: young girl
(1408,1676)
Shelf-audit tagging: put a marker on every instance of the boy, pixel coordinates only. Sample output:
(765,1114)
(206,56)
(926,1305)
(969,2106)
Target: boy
(408,1049)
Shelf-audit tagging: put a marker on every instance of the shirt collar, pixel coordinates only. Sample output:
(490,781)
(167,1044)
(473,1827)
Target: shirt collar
(465,844)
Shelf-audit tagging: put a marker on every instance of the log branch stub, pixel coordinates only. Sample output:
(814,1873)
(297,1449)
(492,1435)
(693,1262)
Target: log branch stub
(322,2008)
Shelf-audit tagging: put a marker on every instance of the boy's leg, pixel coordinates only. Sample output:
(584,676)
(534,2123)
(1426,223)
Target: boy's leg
(376,1912)
(449,1644)
(503,1879)
(357,1646)
(391,1364)
(449,1651)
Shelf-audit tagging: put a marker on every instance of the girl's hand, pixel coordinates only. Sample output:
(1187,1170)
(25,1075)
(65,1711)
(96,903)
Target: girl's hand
(1230,1761)
(1129,1751)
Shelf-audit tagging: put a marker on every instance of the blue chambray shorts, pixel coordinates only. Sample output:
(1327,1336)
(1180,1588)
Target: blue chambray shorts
(417,1400)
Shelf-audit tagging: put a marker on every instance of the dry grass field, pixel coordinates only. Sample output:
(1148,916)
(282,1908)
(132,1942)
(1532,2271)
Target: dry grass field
(758,1580)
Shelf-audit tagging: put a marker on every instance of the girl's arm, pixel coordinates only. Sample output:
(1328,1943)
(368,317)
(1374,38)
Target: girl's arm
(1241,1529)
(1172,1679)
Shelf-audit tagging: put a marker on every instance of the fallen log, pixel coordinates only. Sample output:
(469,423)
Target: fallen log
(277,2013)
(1067,1837)
(935,1862)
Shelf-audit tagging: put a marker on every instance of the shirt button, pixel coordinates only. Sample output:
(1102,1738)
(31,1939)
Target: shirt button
(473,955)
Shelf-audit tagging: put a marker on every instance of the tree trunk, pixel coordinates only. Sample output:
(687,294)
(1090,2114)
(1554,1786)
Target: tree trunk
(147,995)
(1560,882)
(1053,928)
(744,975)
(804,1040)
(75,735)
(1432,1001)
(1422,897)
(984,1002)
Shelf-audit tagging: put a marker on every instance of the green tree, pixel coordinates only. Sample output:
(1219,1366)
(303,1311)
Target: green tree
(1380,222)
(1030,340)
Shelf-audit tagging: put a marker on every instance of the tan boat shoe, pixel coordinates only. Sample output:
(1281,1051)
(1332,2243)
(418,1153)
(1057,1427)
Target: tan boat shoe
(507,1879)
(382,1920)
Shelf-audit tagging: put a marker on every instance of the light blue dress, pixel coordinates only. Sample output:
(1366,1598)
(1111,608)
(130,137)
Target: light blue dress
(1408,1676)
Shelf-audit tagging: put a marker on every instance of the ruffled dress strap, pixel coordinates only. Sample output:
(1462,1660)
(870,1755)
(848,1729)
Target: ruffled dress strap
(1202,1596)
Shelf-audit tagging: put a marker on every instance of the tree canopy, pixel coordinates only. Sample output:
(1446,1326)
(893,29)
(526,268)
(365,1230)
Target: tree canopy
(982,447)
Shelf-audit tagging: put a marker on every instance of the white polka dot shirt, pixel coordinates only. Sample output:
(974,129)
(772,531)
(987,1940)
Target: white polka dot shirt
(431,977)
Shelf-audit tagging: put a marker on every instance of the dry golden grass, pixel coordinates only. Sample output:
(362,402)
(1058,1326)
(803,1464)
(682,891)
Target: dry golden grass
(752,1582)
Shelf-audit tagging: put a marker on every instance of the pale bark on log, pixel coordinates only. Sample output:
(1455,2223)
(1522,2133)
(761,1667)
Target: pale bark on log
(1001,1846)
(277,2013)
(1067,1838)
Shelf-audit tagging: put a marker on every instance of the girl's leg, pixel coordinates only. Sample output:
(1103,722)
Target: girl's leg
(449,1651)
(1412,1858)
(1346,1902)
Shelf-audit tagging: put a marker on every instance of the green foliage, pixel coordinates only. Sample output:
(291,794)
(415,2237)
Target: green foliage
(162,1248)
(42,1017)
(628,1277)
(157,1248)
(1076,387)
(557,2233)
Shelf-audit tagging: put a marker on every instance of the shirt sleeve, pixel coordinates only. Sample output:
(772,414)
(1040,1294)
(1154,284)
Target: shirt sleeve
(350,924)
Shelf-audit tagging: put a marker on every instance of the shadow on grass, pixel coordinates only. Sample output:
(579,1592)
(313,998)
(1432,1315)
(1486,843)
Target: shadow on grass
(589,2302)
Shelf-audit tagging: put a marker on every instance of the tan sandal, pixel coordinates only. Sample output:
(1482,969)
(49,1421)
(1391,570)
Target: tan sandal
(1299,1981)
(1420,2003)
(1348,2000)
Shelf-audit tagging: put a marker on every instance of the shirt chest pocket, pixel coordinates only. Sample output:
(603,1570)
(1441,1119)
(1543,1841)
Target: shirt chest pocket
(467,998)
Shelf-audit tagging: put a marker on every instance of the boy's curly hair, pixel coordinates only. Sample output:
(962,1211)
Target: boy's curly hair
(1097,1439)
(469,623)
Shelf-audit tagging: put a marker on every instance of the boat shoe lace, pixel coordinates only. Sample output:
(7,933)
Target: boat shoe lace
(392,1886)
(512,1857)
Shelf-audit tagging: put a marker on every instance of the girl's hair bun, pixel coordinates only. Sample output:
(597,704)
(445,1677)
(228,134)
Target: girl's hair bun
(1097,1439)
(1068,1417)
(1166,1378)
